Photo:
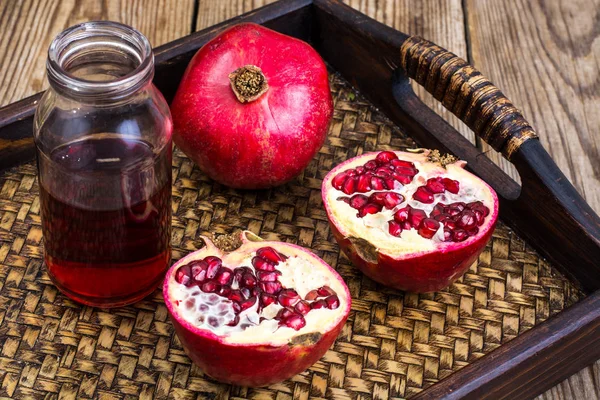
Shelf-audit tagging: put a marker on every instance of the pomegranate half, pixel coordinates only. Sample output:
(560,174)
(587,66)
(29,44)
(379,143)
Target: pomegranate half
(253,107)
(411,221)
(256,315)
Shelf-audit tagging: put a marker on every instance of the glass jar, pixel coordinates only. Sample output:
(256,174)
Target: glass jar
(103,138)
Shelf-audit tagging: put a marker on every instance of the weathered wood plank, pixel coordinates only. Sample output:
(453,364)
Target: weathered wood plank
(28,27)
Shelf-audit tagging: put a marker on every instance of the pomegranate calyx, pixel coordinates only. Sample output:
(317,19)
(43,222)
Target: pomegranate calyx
(435,156)
(248,83)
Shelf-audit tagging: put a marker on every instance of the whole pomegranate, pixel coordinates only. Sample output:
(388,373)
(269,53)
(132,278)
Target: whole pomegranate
(258,314)
(411,221)
(253,107)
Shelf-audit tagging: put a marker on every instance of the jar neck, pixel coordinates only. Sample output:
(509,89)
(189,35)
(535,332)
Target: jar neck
(100,62)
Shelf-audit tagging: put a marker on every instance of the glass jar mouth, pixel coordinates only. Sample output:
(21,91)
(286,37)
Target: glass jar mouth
(101,60)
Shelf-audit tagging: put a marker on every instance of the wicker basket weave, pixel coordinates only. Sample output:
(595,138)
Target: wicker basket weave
(393,345)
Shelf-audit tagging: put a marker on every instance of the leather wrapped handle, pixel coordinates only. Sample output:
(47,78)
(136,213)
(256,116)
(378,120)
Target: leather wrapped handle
(468,94)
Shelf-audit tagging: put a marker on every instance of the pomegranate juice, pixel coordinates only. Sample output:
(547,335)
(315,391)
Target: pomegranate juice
(106,218)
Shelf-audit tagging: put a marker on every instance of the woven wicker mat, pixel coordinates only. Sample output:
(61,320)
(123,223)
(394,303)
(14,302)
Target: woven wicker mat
(393,345)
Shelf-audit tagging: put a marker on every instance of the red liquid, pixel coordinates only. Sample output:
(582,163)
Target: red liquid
(106,217)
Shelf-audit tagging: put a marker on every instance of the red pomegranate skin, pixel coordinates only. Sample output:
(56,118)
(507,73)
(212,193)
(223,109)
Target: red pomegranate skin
(429,272)
(253,365)
(265,142)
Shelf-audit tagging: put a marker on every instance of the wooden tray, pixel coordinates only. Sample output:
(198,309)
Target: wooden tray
(524,317)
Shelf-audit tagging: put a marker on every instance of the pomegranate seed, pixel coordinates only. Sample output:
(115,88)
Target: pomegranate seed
(224,276)
(288,297)
(183,275)
(415,216)
(268,276)
(318,304)
(475,204)
(248,303)
(386,156)
(473,232)
(377,198)
(270,287)
(392,199)
(351,172)
(460,235)
(450,224)
(313,294)
(199,274)
(401,163)
(270,254)
(210,287)
(256,291)
(325,291)
(234,321)
(295,322)
(370,208)
(423,195)
(284,313)
(302,307)
(212,270)
(435,185)
(358,201)
(377,183)
(441,217)
(339,180)
(406,225)
(438,209)
(371,165)
(447,235)
(236,307)
(451,185)
(390,183)
(403,179)
(479,216)
(262,265)
(349,185)
(467,220)
(383,172)
(248,280)
(246,293)
(411,172)
(236,296)
(224,291)
(364,183)
(453,211)
(458,205)
(428,228)
(394,228)
(402,214)
(332,302)
(360,170)
(267,299)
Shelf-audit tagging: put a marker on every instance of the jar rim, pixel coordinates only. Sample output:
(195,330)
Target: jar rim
(118,36)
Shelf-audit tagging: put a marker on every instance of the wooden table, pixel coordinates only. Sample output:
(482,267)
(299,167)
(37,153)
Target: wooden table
(542,54)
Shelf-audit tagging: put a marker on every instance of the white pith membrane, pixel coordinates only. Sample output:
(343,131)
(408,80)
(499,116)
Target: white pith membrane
(374,227)
(301,271)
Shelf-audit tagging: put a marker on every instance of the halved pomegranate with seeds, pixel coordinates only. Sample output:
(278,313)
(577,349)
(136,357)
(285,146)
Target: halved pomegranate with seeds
(412,221)
(258,314)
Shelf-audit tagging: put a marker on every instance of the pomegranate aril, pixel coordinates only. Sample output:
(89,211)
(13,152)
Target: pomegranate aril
(349,185)
(479,216)
(411,172)
(428,228)
(394,228)
(459,205)
(450,224)
(377,198)
(360,170)
(339,180)
(312,295)
(268,276)
(248,303)
(284,313)
(435,185)
(401,163)
(246,293)
(370,208)
(392,199)
(358,201)
(210,287)
(415,216)
(318,304)
(423,195)
(224,291)
(441,217)
(234,321)
(288,297)
(467,220)
(261,264)
(402,214)
(390,183)
(447,235)
(473,232)
(248,280)
(267,299)
(224,276)
(460,235)
(332,302)
(364,183)
(451,185)
(377,183)
(236,296)
(403,179)
(255,291)
(438,209)
(383,172)
(370,165)
(325,291)
(270,254)
(270,287)
(453,211)
(302,307)
(295,322)
(183,275)
(386,156)
(236,307)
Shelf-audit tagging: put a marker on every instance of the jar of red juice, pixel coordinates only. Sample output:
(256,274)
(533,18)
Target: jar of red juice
(103,138)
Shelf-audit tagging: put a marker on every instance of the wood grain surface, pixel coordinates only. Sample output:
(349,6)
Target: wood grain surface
(544,55)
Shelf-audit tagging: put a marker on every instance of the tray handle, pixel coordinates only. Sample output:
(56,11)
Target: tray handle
(561,218)
(469,95)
